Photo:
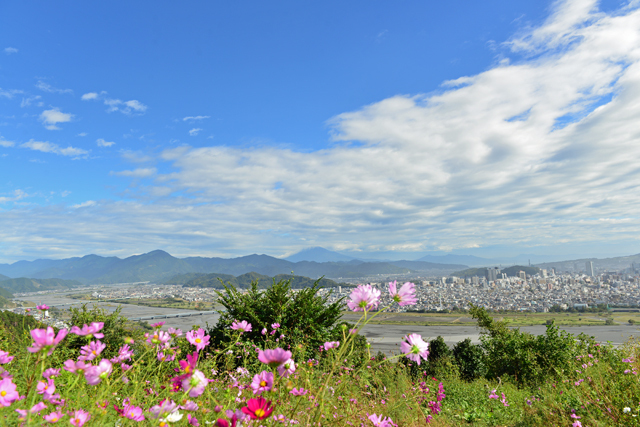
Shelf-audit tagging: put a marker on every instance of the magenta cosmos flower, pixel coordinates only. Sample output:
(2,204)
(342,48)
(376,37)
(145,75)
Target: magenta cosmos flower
(274,357)
(91,351)
(243,326)
(42,307)
(262,382)
(46,339)
(414,348)
(198,338)
(331,344)
(406,295)
(8,393)
(5,358)
(364,297)
(287,368)
(93,330)
(258,409)
(54,417)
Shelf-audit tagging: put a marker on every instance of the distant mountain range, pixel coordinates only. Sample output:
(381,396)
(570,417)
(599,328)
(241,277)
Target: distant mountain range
(24,284)
(157,266)
(197,280)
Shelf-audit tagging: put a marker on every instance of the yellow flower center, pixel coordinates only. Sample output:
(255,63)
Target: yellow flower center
(263,383)
(54,419)
(187,369)
(3,393)
(198,340)
(260,412)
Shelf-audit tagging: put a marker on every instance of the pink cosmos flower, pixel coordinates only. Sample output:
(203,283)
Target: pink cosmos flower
(380,421)
(493,394)
(46,389)
(91,351)
(287,368)
(157,325)
(165,357)
(262,382)
(46,339)
(275,325)
(196,383)
(54,417)
(299,392)
(274,357)
(198,338)
(158,338)
(95,374)
(80,417)
(124,353)
(93,330)
(331,344)
(406,295)
(42,307)
(576,424)
(264,331)
(5,358)
(243,326)
(37,407)
(364,297)
(74,367)
(51,373)
(193,420)
(175,332)
(189,405)
(415,348)
(8,393)
(133,413)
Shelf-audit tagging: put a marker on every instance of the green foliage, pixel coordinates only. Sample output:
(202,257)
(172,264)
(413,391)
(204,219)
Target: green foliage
(115,330)
(470,360)
(305,320)
(438,349)
(526,358)
(23,284)
(513,270)
(214,280)
(5,293)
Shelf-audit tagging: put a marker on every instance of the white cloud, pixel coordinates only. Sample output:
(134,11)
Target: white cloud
(125,107)
(194,131)
(135,156)
(6,144)
(65,193)
(48,147)
(46,87)
(83,134)
(9,93)
(137,173)
(26,102)
(102,143)
(17,195)
(52,117)
(87,204)
(10,50)
(193,118)
(89,96)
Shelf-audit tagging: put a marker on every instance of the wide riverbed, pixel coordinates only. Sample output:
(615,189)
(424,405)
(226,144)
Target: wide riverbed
(385,338)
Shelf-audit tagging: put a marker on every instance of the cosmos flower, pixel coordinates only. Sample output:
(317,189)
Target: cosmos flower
(364,297)
(198,338)
(46,339)
(274,357)
(262,382)
(415,348)
(258,409)
(405,296)
(243,326)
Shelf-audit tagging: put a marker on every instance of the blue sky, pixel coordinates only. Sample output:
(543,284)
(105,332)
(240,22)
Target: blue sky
(380,129)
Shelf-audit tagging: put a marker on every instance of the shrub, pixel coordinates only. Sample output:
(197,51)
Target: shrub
(438,349)
(469,358)
(306,321)
(529,359)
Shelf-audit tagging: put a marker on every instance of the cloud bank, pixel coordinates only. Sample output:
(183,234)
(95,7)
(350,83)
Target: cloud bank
(538,150)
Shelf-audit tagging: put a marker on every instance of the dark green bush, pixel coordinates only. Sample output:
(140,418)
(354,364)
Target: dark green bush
(527,358)
(438,349)
(306,321)
(470,360)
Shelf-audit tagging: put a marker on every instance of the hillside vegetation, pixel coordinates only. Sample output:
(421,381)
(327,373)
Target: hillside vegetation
(23,284)
(216,280)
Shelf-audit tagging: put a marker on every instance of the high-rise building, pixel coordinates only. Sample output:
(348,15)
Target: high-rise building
(522,275)
(589,267)
(492,274)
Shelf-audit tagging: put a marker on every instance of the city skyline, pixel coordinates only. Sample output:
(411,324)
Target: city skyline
(370,129)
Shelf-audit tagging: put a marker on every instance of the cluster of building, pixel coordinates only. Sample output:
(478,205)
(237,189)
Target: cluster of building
(153,291)
(536,293)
